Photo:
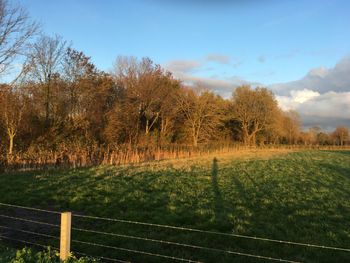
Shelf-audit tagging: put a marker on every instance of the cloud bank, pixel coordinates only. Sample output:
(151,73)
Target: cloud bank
(321,80)
(326,110)
(185,70)
(322,97)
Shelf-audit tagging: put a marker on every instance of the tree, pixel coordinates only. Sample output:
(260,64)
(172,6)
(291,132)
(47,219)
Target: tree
(147,94)
(122,125)
(169,114)
(78,70)
(201,113)
(341,135)
(99,99)
(153,88)
(44,63)
(291,125)
(313,132)
(16,29)
(11,107)
(323,138)
(255,110)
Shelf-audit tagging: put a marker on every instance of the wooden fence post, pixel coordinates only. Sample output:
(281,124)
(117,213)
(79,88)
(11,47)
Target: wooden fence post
(66,219)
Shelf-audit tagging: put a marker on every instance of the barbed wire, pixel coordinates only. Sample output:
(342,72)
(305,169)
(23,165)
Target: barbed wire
(30,232)
(30,221)
(30,208)
(186,245)
(214,232)
(135,251)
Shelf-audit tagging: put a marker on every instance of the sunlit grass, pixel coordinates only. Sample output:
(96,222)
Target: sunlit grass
(296,196)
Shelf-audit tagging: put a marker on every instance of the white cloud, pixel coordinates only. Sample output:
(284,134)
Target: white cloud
(187,66)
(223,87)
(320,80)
(330,105)
(185,69)
(296,98)
(286,103)
(318,72)
(183,65)
(219,58)
(322,97)
(301,96)
(325,110)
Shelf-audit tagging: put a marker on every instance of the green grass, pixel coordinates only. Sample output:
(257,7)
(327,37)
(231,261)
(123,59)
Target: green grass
(296,196)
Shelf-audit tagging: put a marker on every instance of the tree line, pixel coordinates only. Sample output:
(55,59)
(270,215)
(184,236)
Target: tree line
(61,100)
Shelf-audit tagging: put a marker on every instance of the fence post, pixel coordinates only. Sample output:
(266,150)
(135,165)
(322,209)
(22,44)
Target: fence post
(66,219)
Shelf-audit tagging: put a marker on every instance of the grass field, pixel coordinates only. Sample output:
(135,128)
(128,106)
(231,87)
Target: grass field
(296,196)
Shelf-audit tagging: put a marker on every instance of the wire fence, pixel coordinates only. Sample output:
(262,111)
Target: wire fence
(214,233)
(30,221)
(7,233)
(26,242)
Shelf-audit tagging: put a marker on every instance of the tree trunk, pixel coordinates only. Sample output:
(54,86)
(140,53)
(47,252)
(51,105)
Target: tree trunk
(195,141)
(195,136)
(47,105)
(11,146)
(253,139)
(245,135)
(147,128)
(11,135)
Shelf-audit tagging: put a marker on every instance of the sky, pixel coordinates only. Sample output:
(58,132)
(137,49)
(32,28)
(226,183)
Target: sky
(299,49)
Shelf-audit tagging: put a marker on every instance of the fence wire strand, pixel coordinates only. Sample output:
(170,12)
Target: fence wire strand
(27,242)
(134,251)
(214,233)
(153,240)
(30,221)
(30,208)
(30,232)
(185,245)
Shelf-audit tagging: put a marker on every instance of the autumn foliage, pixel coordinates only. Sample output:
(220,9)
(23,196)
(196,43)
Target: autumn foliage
(62,110)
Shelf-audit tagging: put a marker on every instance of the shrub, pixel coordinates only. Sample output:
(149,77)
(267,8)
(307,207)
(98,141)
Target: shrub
(27,255)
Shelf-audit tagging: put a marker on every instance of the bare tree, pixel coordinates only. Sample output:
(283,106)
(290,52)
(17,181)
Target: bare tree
(16,29)
(341,135)
(323,138)
(313,131)
(12,109)
(291,125)
(255,110)
(78,69)
(201,113)
(44,63)
(147,89)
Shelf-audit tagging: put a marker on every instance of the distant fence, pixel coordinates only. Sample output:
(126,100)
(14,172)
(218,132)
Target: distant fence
(22,229)
(77,157)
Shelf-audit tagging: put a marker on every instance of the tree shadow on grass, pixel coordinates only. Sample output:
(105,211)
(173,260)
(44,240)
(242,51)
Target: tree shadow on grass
(298,203)
(340,170)
(218,200)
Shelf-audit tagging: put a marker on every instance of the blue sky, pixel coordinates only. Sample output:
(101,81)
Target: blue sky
(269,41)
(299,49)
